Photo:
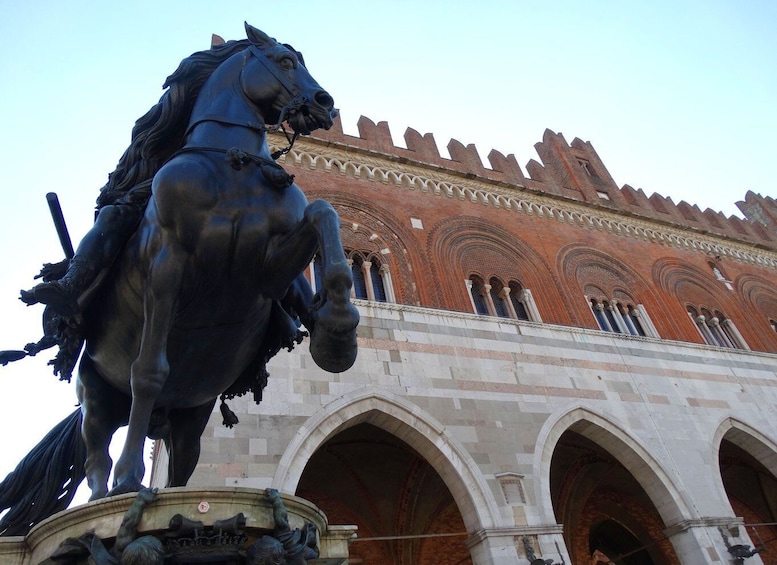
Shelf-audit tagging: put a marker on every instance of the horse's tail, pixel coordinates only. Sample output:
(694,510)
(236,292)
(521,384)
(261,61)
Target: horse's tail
(45,481)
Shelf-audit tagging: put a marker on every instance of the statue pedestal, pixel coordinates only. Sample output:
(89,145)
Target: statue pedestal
(104,517)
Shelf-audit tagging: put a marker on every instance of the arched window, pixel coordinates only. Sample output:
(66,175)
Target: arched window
(478,293)
(609,312)
(601,318)
(371,278)
(378,287)
(497,297)
(517,298)
(623,318)
(716,329)
(631,317)
(359,284)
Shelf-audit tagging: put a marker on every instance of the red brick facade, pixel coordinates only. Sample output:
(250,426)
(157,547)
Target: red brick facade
(591,255)
(566,232)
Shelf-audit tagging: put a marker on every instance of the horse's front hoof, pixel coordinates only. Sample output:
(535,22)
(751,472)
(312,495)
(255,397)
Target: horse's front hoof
(333,339)
(333,352)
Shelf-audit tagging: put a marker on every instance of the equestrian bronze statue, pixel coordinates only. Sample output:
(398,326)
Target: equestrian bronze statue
(191,278)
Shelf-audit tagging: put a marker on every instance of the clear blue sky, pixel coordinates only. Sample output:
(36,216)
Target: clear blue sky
(677,97)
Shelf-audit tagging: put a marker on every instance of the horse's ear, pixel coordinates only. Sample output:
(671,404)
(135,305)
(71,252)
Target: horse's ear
(257,37)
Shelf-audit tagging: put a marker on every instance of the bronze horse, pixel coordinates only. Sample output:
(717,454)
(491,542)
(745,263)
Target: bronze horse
(207,287)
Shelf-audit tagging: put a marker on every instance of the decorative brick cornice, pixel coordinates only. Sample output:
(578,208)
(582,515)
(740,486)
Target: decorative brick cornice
(434,180)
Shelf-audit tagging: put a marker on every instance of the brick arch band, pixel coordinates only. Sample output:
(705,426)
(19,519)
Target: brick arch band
(398,238)
(455,241)
(759,293)
(585,269)
(690,284)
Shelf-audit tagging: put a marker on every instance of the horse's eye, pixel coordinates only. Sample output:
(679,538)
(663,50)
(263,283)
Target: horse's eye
(287,63)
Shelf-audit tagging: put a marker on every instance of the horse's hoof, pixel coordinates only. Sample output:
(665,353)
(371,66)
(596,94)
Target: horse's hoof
(98,495)
(333,340)
(124,488)
(333,352)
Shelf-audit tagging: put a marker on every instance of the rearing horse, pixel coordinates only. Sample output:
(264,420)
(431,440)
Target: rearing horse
(206,288)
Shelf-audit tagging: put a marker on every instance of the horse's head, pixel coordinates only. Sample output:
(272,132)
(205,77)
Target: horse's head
(275,79)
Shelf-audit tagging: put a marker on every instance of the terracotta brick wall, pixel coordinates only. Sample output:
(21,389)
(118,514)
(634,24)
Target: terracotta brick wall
(556,260)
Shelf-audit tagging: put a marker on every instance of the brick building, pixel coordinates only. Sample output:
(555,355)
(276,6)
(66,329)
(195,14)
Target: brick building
(550,365)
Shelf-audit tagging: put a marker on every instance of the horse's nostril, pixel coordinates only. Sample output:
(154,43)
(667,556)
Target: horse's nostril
(323,99)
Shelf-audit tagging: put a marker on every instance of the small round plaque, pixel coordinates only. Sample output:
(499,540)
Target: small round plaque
(203,507)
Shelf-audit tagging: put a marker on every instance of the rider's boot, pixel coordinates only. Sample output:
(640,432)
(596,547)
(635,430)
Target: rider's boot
(62,295)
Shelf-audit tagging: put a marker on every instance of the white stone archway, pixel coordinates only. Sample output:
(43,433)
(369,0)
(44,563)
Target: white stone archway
(429,438)
(635,457)
(760,446)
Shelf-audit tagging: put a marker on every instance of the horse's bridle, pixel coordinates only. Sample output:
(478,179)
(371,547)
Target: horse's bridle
(297,101)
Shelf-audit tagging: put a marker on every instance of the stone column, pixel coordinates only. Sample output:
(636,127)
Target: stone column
(509,303)
(368,280)
(495,546)
(527,299)
(700,541)
(388,285)
(489,301)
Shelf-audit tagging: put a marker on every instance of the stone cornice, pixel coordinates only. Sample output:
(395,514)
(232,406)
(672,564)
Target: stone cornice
(705,522)
(514,531)
(369,309)
(437,181)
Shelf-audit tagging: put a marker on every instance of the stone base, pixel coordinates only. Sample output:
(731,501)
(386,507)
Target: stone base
(104,517)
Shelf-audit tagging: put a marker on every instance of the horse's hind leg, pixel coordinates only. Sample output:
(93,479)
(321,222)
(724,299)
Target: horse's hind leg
(104,411)
(183,445)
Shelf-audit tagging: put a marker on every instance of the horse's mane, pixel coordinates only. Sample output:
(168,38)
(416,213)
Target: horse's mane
(159,133)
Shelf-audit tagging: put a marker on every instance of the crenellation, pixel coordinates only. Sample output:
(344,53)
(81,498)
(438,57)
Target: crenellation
(572,171)
(761,230)
(689,213)
(424,146)
(659,203)
(760,209)
(467,156)
(555,163)
(635,198)
(599,173)
(508,166)
(378,134)
(739,226)
(718,222)
(541,180)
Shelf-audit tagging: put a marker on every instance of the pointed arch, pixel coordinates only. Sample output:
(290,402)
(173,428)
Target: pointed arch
(630,452)
(412,425)
(757,444)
